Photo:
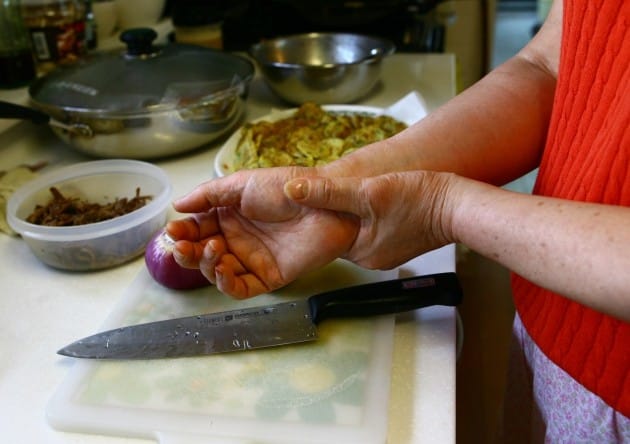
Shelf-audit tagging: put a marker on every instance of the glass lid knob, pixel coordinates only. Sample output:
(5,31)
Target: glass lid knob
(139,42)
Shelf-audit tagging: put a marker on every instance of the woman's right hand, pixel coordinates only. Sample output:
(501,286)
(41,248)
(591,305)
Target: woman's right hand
(400,215)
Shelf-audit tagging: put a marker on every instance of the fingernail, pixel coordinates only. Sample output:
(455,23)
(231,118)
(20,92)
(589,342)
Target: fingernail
(210,249)
(176,202)
(296,189)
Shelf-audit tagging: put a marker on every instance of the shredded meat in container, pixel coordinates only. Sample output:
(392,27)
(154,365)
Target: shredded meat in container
(62,211)
(312,136)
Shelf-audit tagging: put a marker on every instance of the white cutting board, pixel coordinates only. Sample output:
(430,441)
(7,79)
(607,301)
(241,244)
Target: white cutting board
(334,390)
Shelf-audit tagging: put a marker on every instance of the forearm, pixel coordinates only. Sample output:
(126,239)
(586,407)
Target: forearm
(494,131)
(579,250)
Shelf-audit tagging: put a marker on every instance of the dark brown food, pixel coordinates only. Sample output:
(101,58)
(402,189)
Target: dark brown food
(64,211)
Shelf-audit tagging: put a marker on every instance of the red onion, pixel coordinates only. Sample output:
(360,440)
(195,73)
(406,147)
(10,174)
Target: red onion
(162,266)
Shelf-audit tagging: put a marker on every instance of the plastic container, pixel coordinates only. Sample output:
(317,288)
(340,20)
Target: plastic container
(97,245)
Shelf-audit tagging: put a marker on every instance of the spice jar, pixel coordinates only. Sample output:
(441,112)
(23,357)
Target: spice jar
(57,31)
(16,61)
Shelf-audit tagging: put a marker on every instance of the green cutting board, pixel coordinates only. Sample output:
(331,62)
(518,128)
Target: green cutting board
(334,390)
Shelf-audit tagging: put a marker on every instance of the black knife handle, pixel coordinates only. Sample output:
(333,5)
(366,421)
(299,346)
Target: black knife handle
(387,297)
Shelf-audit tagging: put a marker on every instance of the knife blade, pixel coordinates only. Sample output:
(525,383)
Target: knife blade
(267,326)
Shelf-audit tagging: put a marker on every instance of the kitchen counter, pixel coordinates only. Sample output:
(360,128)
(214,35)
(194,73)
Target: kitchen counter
(42,309)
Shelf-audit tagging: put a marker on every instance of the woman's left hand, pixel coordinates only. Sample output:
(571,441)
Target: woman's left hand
(248,238)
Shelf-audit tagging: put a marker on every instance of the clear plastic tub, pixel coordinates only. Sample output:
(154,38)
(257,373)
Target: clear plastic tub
(97,245)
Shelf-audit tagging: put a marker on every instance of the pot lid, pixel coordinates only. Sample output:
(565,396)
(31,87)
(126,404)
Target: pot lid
(143,78)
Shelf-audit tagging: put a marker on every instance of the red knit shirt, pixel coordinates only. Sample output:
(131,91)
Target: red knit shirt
(586,158)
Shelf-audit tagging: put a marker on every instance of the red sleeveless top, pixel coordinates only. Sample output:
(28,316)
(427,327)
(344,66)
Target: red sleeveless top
(586,158)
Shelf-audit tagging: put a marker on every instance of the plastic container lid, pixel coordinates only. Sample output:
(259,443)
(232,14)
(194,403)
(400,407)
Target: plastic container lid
(142,79)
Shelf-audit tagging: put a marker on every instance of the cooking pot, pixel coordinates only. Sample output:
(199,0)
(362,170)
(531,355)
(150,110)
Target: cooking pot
(144,102)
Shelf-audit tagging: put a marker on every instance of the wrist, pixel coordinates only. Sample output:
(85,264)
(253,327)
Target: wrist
(462,198)
(475,214)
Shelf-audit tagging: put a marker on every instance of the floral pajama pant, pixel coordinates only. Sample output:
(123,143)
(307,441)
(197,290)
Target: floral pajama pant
(543,404)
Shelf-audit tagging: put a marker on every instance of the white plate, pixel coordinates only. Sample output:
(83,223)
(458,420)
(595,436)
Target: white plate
(225,156)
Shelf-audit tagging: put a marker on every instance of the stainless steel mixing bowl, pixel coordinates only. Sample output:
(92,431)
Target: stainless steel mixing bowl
(321,67)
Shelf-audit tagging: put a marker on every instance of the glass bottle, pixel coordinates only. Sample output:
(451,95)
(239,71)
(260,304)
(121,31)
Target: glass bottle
(16,60)
(57,31)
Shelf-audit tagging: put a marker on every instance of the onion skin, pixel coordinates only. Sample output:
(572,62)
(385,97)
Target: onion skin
(162,266)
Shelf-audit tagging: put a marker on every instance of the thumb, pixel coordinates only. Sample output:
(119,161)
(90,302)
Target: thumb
(338,194)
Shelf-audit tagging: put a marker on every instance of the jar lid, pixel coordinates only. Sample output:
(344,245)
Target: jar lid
(144,78)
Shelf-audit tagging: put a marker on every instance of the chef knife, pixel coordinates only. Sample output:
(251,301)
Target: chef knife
(267,326)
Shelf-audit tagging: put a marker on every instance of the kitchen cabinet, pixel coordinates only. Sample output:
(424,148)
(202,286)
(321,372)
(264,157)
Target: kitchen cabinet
(42,309)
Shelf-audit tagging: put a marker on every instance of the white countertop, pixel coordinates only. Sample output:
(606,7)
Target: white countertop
(42,309)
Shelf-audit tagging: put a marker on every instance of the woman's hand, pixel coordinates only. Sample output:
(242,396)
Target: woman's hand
(256,231)
(248,238)
(401,215)
(576,249)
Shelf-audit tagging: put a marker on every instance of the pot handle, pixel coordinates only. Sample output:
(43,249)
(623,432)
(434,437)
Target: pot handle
(12,111)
